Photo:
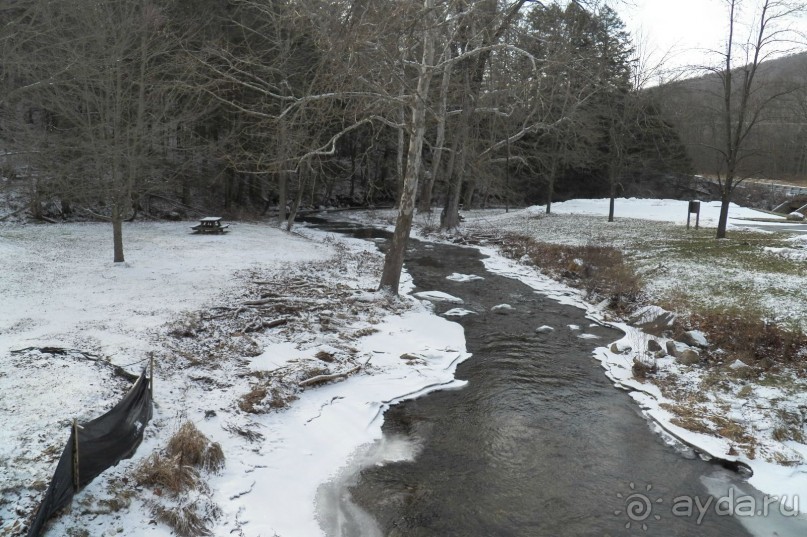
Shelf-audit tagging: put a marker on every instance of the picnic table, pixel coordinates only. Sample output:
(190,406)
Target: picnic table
(210,224)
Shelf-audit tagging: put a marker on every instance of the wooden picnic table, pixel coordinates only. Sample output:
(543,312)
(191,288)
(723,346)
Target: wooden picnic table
(210,224)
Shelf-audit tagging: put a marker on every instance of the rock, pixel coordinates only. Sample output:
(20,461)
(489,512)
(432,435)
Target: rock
(795,216)
(695,338)
(688,357)
(652,319)
(670,345)
(674,348)
(653,346)
(620,347)
(545,329)
(503,309)
(738,364)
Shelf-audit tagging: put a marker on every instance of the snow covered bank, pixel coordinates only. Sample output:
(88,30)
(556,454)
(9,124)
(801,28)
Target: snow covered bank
(181,298)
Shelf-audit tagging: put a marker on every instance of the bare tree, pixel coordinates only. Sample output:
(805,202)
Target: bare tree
(743,98)
(99,101)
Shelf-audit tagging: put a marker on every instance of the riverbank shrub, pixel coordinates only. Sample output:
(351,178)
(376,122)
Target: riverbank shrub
(601,271)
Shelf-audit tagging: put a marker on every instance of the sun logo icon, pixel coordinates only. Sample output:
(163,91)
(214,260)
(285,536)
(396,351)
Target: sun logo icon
(638,507)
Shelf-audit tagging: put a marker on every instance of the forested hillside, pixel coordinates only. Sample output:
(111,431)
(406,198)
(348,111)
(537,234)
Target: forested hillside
(776,147)
(243,107)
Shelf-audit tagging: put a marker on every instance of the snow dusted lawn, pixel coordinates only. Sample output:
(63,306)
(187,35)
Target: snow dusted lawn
(179,298)
(59,286)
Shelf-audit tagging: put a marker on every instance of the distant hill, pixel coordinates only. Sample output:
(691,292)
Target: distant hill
(778,147)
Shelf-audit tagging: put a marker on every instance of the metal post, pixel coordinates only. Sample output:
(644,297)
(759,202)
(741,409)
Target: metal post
(76,480)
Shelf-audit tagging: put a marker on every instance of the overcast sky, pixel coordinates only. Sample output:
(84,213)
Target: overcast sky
(687,28)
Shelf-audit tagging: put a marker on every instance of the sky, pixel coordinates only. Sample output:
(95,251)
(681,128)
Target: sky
(688,29)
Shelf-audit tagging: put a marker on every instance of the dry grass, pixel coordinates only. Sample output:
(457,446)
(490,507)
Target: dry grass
(164,473)
(185,520)
(251,400)
(177,471)
(193,448)
(744,335)
(265,396)
(601,271)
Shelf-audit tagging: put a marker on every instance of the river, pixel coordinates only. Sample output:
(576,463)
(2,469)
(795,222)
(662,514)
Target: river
(539,443)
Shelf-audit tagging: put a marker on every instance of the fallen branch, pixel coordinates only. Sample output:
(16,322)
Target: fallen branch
(319,379)
(280,300)
(276,322)
(15,213)
(61,351)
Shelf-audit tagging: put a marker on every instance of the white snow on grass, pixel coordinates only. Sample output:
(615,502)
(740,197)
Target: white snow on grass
(660,210)
(60,286)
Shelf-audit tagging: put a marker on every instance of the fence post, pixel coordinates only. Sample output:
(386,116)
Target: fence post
(151,376)
(76,480)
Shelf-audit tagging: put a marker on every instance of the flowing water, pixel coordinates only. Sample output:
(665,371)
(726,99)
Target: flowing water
(539,443)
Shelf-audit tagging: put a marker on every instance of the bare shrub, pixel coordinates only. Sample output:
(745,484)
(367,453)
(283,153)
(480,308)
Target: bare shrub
(177,471)
(601,271)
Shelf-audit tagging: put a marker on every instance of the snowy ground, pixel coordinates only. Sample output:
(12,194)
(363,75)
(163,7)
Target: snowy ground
(181,298)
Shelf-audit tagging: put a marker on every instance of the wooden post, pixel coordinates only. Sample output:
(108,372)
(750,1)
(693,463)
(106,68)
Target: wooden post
(151,376)
(76,480)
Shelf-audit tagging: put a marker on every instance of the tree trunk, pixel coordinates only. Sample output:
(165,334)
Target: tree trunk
(399,157)
(117,234)
(393,261)
(611,207)
(282,197)
(428,188)
(470,188)
(297,200)
(725,200)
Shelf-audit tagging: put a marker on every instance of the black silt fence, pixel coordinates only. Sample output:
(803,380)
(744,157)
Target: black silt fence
(95,446)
